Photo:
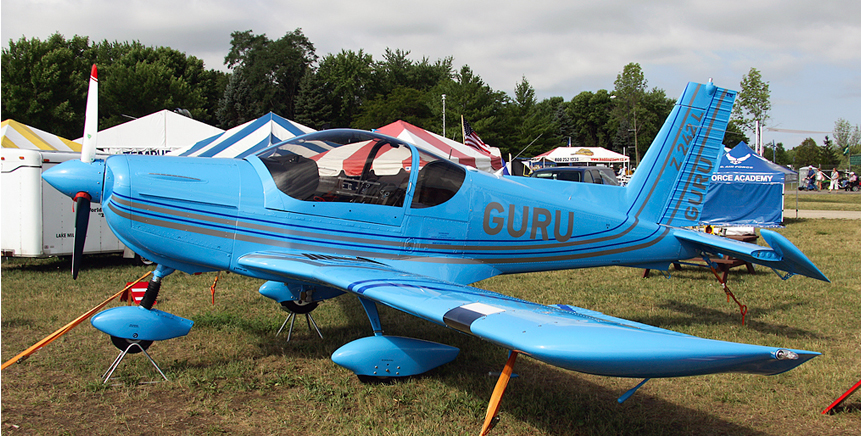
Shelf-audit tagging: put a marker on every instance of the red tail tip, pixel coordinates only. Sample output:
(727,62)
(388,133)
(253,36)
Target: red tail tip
(94,73)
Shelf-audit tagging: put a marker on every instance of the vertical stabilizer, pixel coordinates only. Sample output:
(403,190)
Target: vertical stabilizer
(670,185)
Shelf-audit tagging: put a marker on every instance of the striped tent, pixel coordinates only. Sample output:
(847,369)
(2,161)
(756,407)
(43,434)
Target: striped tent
(444,147)
(246,139)
(350,159)
(17,135)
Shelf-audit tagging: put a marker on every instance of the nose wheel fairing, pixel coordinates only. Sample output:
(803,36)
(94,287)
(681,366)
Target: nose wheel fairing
(140,324)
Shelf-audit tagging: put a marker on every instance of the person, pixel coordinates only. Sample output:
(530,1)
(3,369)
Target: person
(809,181)
(820,179)
(835,179)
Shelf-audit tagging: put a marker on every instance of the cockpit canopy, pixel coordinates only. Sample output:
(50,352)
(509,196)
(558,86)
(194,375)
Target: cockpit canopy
(356,166)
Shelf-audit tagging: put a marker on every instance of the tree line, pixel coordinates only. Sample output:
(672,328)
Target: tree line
(44,84)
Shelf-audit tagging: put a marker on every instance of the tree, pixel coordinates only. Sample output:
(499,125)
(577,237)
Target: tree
(397,70)
(551,112)
(630,89)
(532,123)
(846,137)
(752,103)
(314,102)
(267,73)
(591,119)
(346,77)
(807,153)
(140,80)
(734,135)
(467,95)
(402,103)
(44,83)
(829,156)
(780,156)
(656,107)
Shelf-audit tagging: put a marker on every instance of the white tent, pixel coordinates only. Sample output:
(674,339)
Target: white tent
(156,133)
(246,139)
(17,135)
(582,155)
(444,147)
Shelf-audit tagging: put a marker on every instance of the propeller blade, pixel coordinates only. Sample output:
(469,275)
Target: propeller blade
(82,220)
(91,120)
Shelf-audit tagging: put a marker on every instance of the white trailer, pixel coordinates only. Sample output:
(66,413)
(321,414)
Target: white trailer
(39,221)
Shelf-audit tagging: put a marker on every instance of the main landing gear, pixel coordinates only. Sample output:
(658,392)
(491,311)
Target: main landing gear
(299,307)
(298,299)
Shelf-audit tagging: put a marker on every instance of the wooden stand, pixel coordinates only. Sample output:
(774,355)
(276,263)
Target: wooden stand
(724,265)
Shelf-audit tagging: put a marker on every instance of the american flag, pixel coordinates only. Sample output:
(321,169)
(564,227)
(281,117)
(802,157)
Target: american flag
(471,139)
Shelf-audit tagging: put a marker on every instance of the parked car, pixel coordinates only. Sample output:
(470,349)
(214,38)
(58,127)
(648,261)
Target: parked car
(599,175)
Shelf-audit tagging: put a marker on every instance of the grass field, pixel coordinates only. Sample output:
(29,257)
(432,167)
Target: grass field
(822,200)
(232,375)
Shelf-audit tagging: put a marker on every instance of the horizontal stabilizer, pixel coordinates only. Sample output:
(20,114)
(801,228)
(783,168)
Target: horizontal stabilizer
(781,254)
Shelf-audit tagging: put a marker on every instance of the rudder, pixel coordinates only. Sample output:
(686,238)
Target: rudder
(670,184)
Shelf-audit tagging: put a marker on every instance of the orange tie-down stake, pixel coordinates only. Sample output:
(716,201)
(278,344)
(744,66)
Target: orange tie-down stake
(65,329)
(491,419)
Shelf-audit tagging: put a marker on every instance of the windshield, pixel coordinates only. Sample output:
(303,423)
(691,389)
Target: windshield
(341,166)
(354,166)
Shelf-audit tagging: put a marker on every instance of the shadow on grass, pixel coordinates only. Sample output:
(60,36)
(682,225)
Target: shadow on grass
(91,262)
(697,314)
(18,323)
(559,402)
(845,408)
(563,403)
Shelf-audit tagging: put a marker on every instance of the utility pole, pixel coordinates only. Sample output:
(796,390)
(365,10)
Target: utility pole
(636,149)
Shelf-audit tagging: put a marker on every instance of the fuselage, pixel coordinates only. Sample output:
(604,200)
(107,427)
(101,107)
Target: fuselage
(202,214)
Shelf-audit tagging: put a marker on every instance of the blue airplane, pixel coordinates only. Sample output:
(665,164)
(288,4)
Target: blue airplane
(354,212)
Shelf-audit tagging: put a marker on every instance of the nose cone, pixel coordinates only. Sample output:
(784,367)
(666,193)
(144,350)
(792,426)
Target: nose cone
(74,176)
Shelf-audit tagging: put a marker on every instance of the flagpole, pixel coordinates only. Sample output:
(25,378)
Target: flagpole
(463,128)
(443,115)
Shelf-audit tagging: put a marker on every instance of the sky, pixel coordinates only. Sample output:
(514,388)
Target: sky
(809,52)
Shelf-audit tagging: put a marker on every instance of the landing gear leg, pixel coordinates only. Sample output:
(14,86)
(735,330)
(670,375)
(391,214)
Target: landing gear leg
(128,346)
(154,286)
(299,307)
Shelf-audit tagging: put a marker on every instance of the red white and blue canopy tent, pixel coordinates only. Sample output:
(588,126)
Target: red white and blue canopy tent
(444,147)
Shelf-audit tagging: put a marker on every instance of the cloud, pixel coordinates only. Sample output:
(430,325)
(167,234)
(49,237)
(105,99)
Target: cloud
(809,51)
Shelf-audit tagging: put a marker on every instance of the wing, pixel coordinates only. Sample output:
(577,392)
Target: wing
(781,254)
(564,336)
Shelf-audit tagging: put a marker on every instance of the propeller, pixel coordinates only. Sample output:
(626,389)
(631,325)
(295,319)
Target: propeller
(88,153)
(82,220)
(82,180)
